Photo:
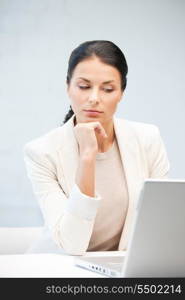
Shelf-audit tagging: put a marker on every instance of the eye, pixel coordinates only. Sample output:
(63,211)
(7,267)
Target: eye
(83,87)
(108,90)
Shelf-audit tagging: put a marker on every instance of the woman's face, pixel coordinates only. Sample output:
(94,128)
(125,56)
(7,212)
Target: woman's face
(94,86)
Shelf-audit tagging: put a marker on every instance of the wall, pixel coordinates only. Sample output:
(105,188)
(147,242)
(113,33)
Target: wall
(36,39)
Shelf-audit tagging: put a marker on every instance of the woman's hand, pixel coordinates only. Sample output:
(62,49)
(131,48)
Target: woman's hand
(85,134)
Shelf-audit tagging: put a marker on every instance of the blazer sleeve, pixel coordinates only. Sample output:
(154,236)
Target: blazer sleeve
(159,165)
(70,219)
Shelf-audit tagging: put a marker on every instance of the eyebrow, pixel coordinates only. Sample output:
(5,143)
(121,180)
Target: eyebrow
(89,80)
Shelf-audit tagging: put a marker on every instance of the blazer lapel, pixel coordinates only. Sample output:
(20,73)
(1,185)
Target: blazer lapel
(69,155)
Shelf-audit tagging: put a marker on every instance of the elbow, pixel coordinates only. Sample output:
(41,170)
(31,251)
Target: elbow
(73,234)
(74,251)
(71,249)
(70,246)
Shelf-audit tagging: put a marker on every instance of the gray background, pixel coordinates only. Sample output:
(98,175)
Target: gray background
(36,39)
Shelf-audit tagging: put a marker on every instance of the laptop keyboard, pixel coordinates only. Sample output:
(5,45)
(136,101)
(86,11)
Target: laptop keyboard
(111,262)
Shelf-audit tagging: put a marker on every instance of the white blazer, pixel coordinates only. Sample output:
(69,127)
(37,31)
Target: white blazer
(69,215)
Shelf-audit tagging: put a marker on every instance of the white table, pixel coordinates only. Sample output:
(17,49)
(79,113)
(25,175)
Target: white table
(45,265)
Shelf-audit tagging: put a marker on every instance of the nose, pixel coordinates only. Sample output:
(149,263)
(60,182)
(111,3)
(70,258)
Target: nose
(94,96)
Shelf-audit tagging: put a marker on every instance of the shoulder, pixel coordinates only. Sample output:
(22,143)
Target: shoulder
(138,134)
(139,129)
(47,143)
(47,147)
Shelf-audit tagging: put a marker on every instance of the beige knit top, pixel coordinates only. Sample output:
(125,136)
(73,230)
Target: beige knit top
(110,183)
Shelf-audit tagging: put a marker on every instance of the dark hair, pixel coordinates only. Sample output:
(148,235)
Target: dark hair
(106,51)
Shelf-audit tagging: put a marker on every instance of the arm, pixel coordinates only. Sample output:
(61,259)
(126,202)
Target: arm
(85,176)
(70,219)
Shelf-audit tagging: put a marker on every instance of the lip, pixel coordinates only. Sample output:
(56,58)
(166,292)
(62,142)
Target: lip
(93,111)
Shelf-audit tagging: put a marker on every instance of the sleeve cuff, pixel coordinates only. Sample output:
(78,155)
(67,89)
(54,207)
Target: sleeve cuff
(82,205)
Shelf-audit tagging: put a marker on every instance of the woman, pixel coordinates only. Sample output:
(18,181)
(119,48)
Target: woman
(88,173)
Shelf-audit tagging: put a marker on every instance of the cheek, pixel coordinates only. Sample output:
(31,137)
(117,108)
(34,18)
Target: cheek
(113,102)
(77,96)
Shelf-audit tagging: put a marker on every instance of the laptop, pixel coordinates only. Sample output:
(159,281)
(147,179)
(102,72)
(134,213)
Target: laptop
(157,242)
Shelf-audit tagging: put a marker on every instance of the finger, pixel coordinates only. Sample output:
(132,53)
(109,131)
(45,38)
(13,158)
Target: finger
(98,128)
(101,130)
